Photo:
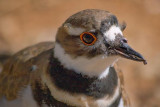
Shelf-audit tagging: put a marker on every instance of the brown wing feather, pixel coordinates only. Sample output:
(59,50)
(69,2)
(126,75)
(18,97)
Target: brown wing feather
(124,93)
(16,73)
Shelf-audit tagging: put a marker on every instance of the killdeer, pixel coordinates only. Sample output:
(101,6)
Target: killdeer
(76,70)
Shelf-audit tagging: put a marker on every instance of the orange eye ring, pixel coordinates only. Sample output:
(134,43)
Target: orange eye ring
(88,34)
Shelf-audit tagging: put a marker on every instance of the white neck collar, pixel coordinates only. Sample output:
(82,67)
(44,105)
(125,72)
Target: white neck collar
(97,66)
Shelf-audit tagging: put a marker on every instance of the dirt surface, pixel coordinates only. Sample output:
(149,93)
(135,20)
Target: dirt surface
(26,22)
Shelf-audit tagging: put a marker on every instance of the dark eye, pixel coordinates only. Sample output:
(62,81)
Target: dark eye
(88,38)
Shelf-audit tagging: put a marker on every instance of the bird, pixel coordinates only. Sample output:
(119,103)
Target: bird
(78,69)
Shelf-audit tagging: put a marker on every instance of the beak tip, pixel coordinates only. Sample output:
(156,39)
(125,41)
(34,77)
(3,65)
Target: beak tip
(145,62)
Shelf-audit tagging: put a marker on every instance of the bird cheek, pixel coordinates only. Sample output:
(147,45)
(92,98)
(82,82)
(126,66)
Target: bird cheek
(103,48)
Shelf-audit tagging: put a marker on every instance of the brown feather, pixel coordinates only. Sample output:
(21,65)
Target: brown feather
(17,71)
(123,91)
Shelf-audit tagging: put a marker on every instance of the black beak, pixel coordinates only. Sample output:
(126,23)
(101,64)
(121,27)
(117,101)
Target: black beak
(126,51)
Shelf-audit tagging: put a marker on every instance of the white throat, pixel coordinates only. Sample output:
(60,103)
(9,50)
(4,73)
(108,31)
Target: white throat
(97,66)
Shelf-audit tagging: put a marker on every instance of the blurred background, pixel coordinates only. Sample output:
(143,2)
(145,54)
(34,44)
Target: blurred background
(27,22)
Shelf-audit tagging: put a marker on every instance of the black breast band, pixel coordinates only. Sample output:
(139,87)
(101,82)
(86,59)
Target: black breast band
(72,82)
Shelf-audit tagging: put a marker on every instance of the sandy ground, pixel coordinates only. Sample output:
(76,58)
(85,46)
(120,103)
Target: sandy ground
(26,22)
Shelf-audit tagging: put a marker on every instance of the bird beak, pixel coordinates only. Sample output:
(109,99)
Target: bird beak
(126,51)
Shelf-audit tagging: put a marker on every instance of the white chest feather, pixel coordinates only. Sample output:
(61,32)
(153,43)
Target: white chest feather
(121,103)
(106,101)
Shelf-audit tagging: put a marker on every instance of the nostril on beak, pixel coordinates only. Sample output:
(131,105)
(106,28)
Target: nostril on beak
(124,40)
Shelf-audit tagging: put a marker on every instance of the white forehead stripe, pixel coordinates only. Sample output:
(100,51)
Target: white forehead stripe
(112,32)
(71,30)
(75,31)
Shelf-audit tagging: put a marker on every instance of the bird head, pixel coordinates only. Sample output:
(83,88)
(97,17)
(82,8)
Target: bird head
(91,34)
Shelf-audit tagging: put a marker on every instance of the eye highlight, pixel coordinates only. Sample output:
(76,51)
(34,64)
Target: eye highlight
(88,38)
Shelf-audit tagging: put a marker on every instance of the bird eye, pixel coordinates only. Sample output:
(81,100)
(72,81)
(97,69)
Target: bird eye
(88,38)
